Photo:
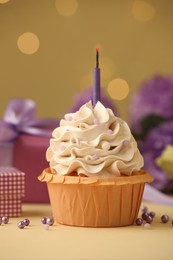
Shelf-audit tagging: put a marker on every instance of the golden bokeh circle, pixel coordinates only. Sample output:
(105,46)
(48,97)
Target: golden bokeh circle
(143,11)
(66,7)
(107,67)
(28,43)
(4,1)
(118,89)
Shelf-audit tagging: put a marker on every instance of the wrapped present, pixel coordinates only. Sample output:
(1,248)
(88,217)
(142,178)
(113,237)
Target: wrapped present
(29,156)
(12,188)
(23,144)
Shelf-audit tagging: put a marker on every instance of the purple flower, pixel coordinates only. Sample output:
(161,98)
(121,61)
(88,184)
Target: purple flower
(85,96)
(155,97)
(154,144)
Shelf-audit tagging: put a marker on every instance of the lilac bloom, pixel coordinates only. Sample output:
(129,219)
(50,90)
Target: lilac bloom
(154,144)
(154,99)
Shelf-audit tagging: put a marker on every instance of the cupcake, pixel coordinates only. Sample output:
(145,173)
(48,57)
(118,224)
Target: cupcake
(95,177)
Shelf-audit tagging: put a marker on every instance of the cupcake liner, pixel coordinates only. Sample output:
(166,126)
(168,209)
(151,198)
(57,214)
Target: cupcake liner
(95,202)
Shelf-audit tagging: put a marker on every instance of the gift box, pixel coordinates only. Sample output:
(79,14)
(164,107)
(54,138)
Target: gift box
(29,156)
(12,189)
(23,144)
(27,153)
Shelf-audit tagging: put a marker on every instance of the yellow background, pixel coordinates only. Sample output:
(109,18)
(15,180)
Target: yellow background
(135,40)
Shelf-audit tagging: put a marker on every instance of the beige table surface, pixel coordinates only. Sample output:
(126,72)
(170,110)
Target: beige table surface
(65,242)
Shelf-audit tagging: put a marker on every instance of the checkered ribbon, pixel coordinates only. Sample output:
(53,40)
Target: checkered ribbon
(12,188)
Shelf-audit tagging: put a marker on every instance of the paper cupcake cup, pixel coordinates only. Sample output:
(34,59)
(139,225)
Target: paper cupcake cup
(95,202)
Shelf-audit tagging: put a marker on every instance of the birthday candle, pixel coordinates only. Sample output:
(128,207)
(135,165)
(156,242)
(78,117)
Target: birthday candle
(96,85)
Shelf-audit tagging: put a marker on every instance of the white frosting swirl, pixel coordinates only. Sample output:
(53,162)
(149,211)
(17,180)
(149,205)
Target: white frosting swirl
(93,142)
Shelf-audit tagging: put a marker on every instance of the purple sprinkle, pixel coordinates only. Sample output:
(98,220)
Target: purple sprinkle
(50,221)
(26,222)
(5,220)
(149,219)
(164,218)
(95,157)
(139,221)
(109,131)
(146,225)
(43,220)
(145,215)
(125,143)
(144,209)
(96,121)
(21,225)
(152,214)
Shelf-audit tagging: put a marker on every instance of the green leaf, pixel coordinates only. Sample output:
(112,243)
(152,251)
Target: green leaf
(150,122)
